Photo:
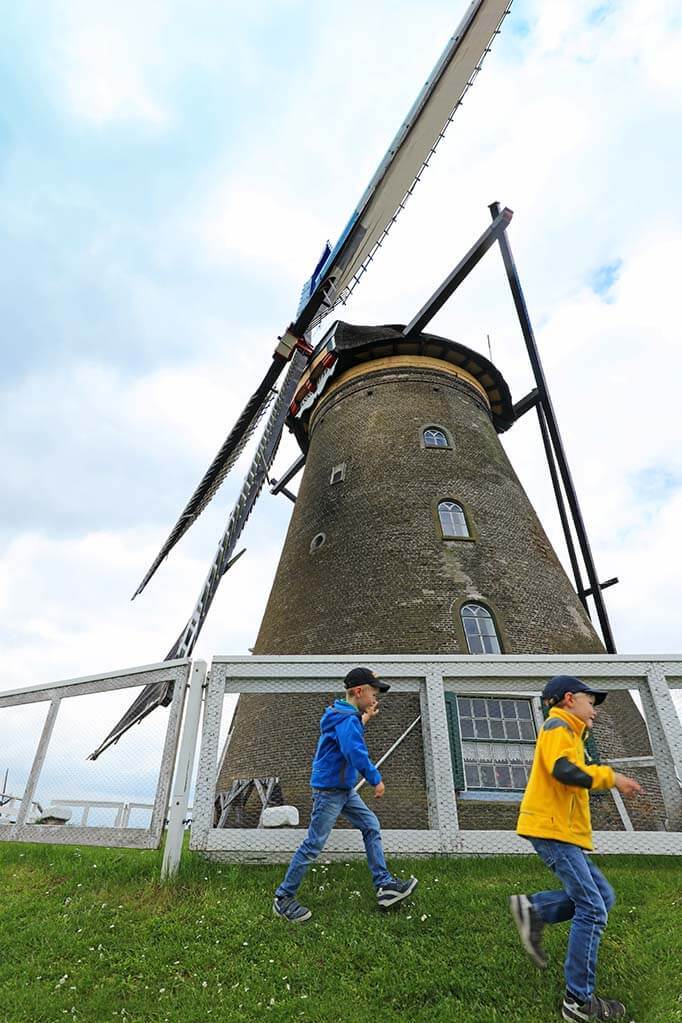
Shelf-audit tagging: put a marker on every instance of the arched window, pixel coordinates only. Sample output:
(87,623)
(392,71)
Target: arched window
(479,629)
(434,438)
(452,520)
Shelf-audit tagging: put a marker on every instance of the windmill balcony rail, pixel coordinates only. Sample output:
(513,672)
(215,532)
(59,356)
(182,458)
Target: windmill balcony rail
(435,682)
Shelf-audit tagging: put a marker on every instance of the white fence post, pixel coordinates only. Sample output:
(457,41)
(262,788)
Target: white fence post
(665,731)
(37,764)
(440,784)
(177,812)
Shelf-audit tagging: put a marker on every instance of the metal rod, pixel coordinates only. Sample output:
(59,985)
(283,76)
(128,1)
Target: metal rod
(287,493)
(603,586)
(526,403)
(553,428)
(286,477)
(501,222)
(565,525)
(389,751)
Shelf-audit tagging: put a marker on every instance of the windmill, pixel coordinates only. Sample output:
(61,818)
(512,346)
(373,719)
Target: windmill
(312,375)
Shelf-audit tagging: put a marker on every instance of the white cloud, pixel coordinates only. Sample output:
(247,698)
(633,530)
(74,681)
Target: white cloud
(104,58)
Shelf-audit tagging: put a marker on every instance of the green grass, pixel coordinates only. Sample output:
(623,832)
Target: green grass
(91,935)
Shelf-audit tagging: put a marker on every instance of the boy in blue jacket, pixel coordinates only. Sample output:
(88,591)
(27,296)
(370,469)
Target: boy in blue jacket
(341,757)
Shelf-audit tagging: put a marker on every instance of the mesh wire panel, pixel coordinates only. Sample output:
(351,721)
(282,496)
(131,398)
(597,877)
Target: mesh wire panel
(20,730)
(127,773)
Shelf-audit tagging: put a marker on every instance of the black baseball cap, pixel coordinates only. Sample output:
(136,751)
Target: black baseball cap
(557,687)
(364,677)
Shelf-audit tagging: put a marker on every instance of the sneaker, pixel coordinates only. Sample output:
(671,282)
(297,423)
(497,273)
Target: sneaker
(594,1008)
(290,909)
(530,928)
(395,891)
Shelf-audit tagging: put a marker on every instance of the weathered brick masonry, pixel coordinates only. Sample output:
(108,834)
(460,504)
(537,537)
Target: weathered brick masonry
(385,581)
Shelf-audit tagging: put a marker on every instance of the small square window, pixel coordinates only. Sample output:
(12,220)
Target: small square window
(338,473)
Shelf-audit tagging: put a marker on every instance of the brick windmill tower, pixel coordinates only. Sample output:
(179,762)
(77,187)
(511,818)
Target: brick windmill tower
(411,532)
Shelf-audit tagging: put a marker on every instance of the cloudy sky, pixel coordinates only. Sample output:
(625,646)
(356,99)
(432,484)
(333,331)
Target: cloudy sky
(170,173)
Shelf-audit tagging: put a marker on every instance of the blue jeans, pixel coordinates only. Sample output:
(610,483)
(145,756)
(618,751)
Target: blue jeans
(328,806)
(586,899)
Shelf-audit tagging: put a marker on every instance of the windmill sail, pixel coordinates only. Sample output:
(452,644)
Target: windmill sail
(406,159)
(160,693)
(222,463)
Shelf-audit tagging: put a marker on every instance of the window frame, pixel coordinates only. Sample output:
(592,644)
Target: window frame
(467,521)
(448,446)
(457,740)
(341,470)
(494,618)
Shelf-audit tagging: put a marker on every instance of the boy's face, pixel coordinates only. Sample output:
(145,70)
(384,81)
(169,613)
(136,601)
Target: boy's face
(364,697)
(582,706)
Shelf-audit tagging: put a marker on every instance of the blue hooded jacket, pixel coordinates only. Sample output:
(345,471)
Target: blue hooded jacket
(341,755)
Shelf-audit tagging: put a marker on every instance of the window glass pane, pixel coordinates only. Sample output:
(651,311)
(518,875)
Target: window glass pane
(452,520)
(508,709)
(471,775)
(490,645)
(487,776)
(482,728)
(527,730)
(475,645)
(503,776)
(519,777)
(467,726)
(464,705)
(512,728)
(435,439)
(494,709)
(523,709)
(478,708)
(497,729)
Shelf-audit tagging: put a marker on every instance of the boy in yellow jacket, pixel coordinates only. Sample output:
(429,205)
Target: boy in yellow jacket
(555,817)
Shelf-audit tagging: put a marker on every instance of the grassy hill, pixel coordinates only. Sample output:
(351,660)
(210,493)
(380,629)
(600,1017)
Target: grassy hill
(91,935)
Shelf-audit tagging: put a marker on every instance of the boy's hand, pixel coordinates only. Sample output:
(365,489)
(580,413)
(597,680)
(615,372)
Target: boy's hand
(379,790)
(370,712)
(627,786)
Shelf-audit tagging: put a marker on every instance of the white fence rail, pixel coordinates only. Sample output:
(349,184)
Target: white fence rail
(431,678)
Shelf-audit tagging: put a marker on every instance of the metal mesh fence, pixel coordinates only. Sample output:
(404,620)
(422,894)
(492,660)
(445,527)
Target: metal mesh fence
(457,813)
(100,793)
(60,795)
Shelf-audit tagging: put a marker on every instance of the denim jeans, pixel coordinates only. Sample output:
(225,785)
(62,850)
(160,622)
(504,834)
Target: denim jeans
(586,899)
(328,806)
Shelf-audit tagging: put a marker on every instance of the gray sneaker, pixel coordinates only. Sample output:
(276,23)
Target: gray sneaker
(593,1009)
(530,927)
(290,909)
(395,891)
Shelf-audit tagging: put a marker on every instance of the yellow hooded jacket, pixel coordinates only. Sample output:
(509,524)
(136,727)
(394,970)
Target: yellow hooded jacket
(550,808)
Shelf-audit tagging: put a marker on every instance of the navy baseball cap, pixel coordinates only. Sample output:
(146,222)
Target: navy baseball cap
(364,677)
(557,687)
